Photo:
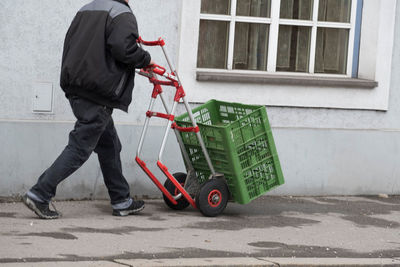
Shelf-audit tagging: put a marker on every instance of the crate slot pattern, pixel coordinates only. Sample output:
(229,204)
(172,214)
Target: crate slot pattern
(240,144)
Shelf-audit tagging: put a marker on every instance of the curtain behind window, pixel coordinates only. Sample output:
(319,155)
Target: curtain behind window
(296,9)
(251,46)
(334,10)
(254,8)
(294,42)
(332,44)
(293,48)
(331,51)
(216,7)
(251,39)
(213,44)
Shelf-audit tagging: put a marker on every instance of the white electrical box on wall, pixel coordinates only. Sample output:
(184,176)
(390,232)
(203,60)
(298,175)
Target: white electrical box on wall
(42,97)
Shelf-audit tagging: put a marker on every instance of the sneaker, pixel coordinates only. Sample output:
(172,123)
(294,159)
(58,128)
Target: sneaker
(41,209)
(134,208)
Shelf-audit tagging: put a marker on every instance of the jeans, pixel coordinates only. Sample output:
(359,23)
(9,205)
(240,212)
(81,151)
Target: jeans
(94,131)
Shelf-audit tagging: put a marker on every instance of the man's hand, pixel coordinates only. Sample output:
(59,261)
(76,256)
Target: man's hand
(150,67)
(152,63)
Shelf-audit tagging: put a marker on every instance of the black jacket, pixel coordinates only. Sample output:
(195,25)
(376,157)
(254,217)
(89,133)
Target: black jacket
(101,54)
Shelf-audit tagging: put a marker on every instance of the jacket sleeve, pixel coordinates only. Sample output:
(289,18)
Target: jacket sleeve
(121,42)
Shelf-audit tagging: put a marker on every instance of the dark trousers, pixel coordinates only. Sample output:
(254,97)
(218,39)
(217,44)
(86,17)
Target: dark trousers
(94,131)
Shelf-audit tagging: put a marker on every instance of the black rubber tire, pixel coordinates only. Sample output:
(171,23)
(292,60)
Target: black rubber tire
(204,199)
(182,202)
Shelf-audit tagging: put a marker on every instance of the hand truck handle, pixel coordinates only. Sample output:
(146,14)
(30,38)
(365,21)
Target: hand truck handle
(157,69)
(159,42)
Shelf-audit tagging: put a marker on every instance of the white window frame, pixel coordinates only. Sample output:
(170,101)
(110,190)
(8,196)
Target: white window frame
(274,22)
(375,56)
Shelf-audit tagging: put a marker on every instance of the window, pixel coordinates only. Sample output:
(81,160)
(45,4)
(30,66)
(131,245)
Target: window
(295,36)
(336,41)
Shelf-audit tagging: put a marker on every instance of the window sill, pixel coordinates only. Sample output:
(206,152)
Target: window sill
(232,77)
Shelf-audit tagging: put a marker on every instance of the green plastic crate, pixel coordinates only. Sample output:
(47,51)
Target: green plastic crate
(240,144)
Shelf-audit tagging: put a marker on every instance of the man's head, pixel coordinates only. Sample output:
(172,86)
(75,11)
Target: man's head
(127,1)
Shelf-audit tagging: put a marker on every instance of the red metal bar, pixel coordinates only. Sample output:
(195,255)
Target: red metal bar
(179,93)
(155,181)
(164,169)
(185,129)
(156,81)
(156,91)
(159,42)
(156,69)
(172,77)
(160,115)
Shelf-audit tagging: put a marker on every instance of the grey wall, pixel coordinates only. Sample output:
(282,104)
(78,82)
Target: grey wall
(322,151)
(31,147)
(32,35)
(334,151)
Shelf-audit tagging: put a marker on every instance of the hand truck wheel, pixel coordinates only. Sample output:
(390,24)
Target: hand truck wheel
(182,202)
(212,198)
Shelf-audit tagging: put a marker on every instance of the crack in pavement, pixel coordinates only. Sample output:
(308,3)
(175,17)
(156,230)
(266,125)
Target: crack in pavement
(261,259)
(120,263)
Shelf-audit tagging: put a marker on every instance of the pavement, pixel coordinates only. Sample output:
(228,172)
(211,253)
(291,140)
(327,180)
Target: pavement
(270,231)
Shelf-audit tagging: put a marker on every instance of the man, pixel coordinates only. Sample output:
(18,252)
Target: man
(97,75)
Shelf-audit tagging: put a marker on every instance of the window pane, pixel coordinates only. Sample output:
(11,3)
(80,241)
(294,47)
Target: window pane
(254,8)
(293,48)
(251,46)
(216,7)
(331,50)
(213,44)
(334,10)
(296,9)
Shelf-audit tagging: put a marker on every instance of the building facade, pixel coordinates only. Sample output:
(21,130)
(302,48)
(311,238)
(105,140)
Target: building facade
(328,72)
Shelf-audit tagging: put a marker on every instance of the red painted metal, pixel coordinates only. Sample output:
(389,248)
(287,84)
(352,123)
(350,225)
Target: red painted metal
(160,115)
(179,93)
(159,42)
(176,192)
(157,69)
(170,79)
(210,198)
(156,91)
(185,129)
(182,190)
(167,83)
(155,181)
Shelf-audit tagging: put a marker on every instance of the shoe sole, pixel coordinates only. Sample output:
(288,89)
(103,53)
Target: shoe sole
(123,213)
(32,206)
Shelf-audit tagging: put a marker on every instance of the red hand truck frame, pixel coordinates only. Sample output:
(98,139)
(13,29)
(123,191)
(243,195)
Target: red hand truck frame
(211,197)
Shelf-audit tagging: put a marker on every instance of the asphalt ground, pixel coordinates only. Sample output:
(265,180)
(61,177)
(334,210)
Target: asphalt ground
(324,231)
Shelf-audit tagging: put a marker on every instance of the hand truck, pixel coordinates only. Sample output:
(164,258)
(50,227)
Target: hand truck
(179,190)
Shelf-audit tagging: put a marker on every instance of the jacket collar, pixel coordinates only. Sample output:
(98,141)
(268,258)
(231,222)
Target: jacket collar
(122,2)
